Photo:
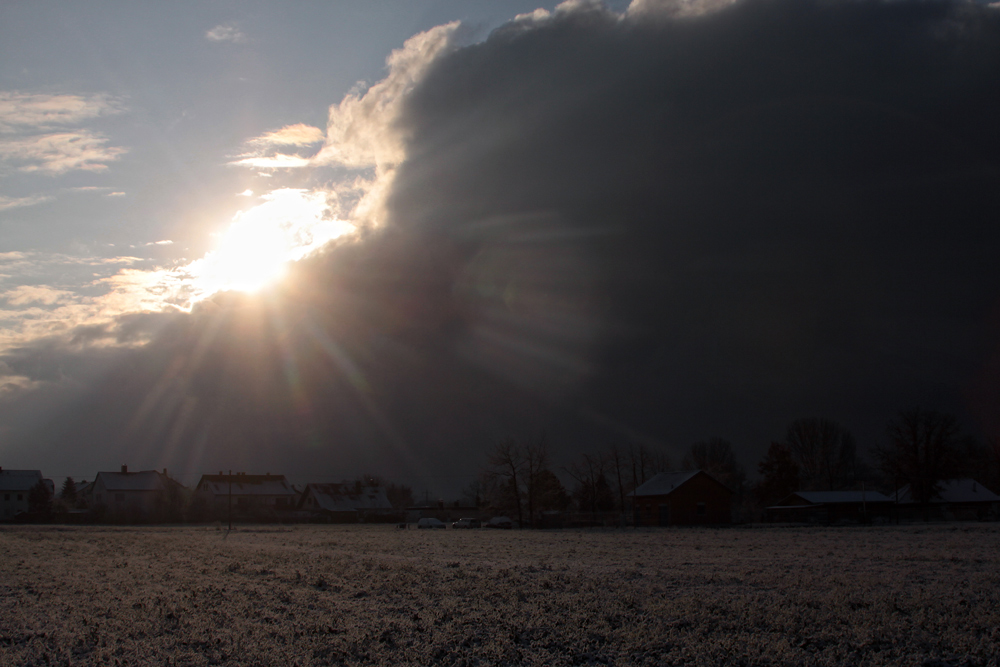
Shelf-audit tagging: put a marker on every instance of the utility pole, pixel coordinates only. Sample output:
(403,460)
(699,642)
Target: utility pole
(230,500)
(864,503)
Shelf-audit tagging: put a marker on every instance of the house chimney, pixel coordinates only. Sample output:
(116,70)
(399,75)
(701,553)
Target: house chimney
(124,468)
(165,472)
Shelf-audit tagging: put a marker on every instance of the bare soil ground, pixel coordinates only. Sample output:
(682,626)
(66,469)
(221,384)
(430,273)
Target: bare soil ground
(364,595)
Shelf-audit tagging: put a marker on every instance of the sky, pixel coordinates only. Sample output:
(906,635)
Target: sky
(333,238)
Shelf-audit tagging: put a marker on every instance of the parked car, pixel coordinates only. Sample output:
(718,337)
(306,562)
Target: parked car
(500,522)
(431,522)
(467,523)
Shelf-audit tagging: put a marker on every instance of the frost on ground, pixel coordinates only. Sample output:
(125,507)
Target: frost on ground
(364,595)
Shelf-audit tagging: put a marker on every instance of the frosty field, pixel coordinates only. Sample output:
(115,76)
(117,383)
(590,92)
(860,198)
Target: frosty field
(361,595)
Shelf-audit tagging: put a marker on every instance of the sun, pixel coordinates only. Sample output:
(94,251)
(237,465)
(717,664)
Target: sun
(256,249)
(249,257)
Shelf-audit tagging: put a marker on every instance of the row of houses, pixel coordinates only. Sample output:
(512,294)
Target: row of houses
(154,495)
(695,497)
(690,497)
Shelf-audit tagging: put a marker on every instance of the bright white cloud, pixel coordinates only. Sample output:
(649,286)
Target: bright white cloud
(279,161)
(27,111)
(225,33)
(18,202)
(299,134)
(675,8)
(361,131)
(60,152)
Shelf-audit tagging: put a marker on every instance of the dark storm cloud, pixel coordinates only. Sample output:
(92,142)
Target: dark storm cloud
(791,205)
(640,227)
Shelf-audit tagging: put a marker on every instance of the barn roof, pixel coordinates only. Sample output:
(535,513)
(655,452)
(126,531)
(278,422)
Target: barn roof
(19,480)
(834,497)
(346,498)
(664,483)
(956,491)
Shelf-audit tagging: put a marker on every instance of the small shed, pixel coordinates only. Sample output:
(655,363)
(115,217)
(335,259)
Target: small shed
(683,498)
(829,507)
(956,500)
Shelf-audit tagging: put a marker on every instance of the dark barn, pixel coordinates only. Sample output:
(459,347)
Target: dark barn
(685,498)
(828,507)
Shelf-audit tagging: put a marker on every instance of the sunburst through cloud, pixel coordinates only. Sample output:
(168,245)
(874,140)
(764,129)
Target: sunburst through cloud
(260,243)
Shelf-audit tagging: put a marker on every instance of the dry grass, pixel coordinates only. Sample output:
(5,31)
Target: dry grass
(375,595)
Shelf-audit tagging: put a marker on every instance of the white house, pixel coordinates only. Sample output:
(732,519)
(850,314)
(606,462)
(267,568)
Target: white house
(15,485)
(142,494)
(248,493)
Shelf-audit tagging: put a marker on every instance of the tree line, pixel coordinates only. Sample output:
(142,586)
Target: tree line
(921,448)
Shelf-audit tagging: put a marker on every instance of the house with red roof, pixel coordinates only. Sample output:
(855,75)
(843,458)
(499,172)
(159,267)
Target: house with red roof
(683,498)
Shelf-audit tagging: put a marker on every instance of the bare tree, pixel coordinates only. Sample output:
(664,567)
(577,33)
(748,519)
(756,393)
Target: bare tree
(507,461)
(618,464)
(536,460)
(716,457)
(592,490)
(825,452)
(922,449)
(645,462)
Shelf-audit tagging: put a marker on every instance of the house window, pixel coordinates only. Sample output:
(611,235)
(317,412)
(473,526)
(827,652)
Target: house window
(20,496)
(701,509)
(6,496)
(119,497)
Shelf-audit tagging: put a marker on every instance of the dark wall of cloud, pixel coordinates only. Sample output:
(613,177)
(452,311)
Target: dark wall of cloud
(609,228)
(789,205)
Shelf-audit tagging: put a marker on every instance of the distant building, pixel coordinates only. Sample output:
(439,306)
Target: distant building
(255,496)
(345,502)
(956,500)
(135,496)
(682,498)
(15,485)
(829,507)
